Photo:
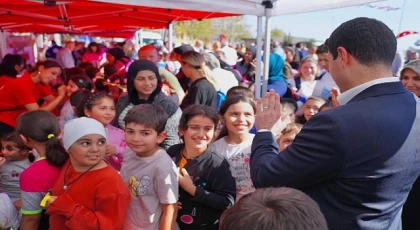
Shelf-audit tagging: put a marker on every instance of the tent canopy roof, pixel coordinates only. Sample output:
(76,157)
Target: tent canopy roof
(89,17)
(109,16)
(248,7)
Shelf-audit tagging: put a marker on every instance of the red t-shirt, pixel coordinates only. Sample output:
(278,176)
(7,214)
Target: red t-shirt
(4,79)
(15,93)
(42,90)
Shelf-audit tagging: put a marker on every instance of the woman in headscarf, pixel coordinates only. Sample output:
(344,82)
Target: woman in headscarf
(276,78)
(144,86)
(117,57)
(410,77)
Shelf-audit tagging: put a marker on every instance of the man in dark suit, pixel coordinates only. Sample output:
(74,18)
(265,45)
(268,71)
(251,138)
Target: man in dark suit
(359,160)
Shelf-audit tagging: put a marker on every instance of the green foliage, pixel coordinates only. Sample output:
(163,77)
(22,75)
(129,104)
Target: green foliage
(209,29)
(277,33)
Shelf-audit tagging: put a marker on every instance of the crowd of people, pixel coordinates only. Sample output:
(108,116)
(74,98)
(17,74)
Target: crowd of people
(178,141)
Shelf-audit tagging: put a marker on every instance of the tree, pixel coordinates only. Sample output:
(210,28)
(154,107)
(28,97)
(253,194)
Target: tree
(277,33)
(233,28)
(193,29)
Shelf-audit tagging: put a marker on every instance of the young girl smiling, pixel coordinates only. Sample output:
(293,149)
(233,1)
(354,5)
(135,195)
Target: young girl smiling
(101,107)
(207,187)
(238,115)
(88,193)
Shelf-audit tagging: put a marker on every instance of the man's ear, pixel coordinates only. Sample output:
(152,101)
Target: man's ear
(343,56)
(161,137)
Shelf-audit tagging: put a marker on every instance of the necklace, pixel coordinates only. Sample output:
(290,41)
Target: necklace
(66,185)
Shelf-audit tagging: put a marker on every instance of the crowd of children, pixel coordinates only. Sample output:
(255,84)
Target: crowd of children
(108,147)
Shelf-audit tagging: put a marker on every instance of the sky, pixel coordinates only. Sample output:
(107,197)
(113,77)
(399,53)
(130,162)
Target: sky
(319,25)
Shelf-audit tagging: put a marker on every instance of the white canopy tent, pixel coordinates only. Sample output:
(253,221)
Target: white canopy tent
(260,8)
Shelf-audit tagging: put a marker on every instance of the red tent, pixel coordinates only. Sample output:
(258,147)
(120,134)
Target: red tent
(87,17)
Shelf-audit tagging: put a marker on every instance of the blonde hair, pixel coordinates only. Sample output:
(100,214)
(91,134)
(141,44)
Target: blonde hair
(311,60)
(291,128)
(197,62)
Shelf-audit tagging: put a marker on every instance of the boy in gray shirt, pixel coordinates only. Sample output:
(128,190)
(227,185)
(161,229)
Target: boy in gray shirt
(148,171)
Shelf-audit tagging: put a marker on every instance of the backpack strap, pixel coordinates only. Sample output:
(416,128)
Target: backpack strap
(320,76)
(297,82)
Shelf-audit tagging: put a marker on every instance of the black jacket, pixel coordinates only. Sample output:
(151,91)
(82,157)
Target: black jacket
(216,190)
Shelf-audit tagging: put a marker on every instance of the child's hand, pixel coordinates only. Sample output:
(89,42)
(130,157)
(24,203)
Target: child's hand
(18,204)
(334,94)
(50,201)
(179,205)
(110,150)
(62,90)
(2,161)
(186,182)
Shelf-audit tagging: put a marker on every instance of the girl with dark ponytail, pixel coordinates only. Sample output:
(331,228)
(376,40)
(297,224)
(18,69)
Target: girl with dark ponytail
(39,130)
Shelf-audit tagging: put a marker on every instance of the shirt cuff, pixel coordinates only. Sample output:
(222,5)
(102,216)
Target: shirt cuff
(32,212)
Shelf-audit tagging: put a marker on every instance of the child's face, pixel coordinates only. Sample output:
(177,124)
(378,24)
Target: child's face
(12,153)
(285,140)
(323,61)
(308,69)
(143,140)
(71,88)
(239,118)
(199,133)
(311,108)
(88,150)
(104,111)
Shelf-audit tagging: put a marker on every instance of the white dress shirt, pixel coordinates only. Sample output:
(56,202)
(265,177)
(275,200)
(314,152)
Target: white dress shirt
(345,97)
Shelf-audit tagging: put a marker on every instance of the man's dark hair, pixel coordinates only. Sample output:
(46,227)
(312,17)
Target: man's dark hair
(322,49)
(149,115)
(272,209)
(369,41)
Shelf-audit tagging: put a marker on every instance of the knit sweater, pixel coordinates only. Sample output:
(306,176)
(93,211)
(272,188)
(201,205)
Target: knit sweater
(173,111)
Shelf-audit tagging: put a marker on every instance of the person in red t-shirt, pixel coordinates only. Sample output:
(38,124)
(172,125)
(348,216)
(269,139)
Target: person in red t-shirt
(21,94)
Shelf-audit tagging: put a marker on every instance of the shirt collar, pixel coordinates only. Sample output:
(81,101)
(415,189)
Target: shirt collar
(345,97)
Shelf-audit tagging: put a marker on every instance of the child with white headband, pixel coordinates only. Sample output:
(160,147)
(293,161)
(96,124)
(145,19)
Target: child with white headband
(88,194)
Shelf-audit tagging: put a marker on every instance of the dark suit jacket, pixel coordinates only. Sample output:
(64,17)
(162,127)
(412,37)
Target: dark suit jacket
(358,161)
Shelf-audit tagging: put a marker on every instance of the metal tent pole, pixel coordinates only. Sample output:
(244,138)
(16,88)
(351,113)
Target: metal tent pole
(258,71)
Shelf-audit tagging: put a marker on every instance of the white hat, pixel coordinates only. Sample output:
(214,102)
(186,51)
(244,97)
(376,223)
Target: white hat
(79,127)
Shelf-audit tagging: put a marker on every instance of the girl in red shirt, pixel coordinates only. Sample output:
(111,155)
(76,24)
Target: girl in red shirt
(89,194)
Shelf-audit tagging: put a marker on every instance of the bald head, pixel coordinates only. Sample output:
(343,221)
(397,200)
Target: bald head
(149,52)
